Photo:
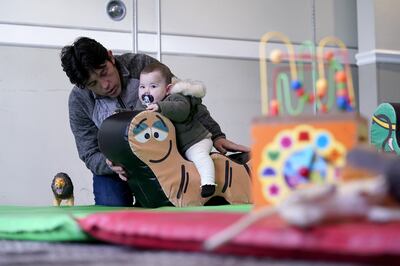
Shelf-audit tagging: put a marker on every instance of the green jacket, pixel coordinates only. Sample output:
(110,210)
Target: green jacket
(180,109)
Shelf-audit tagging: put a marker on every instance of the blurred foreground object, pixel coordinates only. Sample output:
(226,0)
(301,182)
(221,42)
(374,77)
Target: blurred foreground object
(369,189)
(63,189)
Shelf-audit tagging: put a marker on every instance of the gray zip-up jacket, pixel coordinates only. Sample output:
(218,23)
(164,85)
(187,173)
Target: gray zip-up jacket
(87,111)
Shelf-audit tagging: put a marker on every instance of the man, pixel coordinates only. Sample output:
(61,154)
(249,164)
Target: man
(103,83)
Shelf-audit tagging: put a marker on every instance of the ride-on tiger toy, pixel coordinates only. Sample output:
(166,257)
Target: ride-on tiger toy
(144,144)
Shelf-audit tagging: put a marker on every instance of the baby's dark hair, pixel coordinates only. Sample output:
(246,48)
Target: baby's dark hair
(82,57)
(163,69)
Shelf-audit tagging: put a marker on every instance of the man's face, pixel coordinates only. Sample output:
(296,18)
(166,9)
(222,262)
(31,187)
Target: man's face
(152,84)
(105,81)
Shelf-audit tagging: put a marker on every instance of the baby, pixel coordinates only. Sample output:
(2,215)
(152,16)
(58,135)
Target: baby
(179,103)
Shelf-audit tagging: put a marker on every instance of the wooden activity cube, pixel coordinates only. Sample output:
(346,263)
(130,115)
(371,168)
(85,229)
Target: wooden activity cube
(289,153)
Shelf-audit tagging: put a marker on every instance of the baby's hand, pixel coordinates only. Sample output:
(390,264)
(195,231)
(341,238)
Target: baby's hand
(153,107)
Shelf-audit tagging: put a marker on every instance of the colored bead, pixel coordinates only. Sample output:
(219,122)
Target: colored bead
(296,84)
(350,99)
(341,85)
(300,92)
(323,108)
(342,93)
(274,107)
(311,98)
(276,56)
(322,86)
(341,102)
(329,56)
(340,76)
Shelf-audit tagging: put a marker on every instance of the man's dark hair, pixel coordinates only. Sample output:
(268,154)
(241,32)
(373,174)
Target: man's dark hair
(163,69)
(82,57)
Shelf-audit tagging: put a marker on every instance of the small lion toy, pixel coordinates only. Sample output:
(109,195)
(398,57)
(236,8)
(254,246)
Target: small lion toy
(62,189)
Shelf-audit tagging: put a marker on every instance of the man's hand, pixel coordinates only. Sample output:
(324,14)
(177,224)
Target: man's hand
(152,107)
(223,146)
(117,169)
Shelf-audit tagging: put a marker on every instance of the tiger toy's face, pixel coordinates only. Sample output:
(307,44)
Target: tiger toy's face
(152,137)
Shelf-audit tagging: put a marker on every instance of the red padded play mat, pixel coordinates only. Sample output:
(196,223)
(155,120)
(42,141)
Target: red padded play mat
(359,241)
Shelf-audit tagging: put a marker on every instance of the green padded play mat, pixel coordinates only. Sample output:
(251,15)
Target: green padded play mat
(58,223)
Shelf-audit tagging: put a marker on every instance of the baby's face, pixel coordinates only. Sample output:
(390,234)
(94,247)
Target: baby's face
(152,87)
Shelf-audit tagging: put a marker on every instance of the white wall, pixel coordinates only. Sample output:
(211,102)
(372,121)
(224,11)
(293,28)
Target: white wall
(35,138)
(379,57)
(387,24)
(88,14)
(214,41)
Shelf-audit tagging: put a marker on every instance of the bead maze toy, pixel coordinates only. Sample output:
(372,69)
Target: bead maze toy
(339,76)
(291,149)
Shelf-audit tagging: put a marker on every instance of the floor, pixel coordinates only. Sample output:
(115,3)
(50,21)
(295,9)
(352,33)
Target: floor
(99,254)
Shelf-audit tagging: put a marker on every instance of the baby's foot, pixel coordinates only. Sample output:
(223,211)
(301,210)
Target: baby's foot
(207,190)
